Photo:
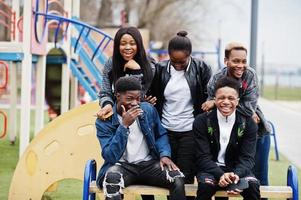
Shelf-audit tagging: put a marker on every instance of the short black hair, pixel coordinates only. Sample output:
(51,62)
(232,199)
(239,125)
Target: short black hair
(180,42)
(127,83)
(227,81)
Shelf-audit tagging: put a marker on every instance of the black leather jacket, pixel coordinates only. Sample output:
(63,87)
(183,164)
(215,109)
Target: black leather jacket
(197,76)
(240,152)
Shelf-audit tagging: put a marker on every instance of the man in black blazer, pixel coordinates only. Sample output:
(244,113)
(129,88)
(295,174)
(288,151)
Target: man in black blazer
(226,145)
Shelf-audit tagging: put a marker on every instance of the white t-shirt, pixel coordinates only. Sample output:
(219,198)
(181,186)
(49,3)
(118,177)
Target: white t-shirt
(225,127)
(136,149)
(177,112)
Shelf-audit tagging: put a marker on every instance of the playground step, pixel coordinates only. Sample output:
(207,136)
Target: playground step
(88,62)
(91,44)
(84,80)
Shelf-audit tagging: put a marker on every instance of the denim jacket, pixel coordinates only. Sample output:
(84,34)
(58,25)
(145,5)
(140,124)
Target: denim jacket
(113,137)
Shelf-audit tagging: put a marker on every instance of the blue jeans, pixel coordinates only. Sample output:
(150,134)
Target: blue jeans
(262,159)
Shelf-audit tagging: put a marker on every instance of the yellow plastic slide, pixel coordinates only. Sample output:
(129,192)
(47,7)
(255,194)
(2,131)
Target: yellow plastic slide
(58,152)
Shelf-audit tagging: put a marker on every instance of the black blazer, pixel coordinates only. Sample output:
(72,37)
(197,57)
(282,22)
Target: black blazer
(240,152)
(197,77)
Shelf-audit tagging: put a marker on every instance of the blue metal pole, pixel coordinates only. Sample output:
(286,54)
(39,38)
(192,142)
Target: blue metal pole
(89,175)
(273,134)
(292,180)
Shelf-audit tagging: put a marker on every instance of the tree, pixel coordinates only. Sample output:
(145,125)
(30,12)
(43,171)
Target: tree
(89,11)
(105,14)
(166,18)
(163,18)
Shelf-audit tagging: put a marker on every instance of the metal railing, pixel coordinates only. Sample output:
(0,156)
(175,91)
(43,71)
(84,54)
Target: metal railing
(60,20)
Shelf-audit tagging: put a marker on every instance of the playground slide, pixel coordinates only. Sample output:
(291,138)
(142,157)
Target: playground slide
(58,152)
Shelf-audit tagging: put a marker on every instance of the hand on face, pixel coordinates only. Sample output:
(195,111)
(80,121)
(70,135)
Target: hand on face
(128,106)
(131,64)
(128,117)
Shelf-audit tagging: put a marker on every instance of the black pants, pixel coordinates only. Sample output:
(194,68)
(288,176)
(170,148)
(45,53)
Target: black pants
(183,154)
(143,173)
(207,187)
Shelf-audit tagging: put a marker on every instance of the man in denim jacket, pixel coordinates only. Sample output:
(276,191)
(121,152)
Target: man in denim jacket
(135,146)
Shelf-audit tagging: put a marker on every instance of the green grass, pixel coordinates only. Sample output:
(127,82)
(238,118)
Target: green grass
(67,189)
(282,93)
(8,162)
(72,189)
(278,170)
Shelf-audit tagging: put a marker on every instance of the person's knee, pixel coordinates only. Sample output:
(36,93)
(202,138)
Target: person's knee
(253,185)
(179,182)
(205,187)
(205,190)
(112,185)
(252,192)
(189,178)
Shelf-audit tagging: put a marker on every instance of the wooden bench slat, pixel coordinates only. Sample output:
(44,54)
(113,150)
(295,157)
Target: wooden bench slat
(265,191)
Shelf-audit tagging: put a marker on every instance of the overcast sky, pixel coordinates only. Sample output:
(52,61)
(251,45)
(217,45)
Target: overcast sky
(279,27)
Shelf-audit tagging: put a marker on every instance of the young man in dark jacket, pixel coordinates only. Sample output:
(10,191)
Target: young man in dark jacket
(225,146)
(236,67)
(135,146)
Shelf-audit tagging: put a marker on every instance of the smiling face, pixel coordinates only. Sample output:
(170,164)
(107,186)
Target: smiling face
(179,59)
(236,63)
(127,47)
(226,100)
(128,99)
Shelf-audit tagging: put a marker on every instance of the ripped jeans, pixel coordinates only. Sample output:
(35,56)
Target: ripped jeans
(208,185)
(123,174)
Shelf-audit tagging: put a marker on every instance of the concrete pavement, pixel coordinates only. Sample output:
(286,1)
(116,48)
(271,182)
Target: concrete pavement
(286,117)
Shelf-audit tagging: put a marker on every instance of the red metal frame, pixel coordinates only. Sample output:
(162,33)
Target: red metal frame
(9,14)
(4,85)
(20,28)
(3,133)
